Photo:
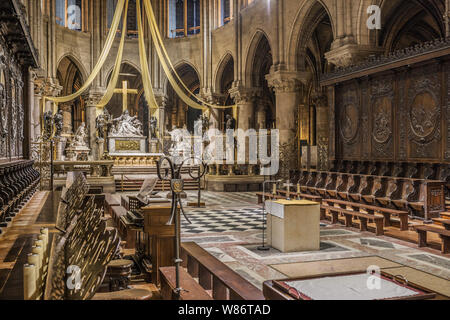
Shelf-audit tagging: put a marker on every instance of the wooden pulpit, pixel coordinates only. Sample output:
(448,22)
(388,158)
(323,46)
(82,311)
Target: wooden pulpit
(161,237)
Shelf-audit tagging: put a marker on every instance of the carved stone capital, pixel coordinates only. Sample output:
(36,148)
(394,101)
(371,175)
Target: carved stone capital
(320,100)
(349,54)
(47,87)
(286,81)
(92,98)
(214,98)
(161,100)
(243,95)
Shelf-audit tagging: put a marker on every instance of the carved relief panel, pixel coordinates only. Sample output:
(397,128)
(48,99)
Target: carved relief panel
(348,118)
(13,125)
(424,113)
(3,107)
(382,117)
(447,106)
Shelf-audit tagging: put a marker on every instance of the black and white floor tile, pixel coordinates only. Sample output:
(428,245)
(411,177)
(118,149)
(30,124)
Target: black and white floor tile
(222,220)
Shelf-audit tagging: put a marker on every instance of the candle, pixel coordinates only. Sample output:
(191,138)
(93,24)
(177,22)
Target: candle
(33,259)
(274,189)
(29,281)
(298,188)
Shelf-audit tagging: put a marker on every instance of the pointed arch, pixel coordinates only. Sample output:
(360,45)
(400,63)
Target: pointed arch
(308,17)
(223,67)
(259,45)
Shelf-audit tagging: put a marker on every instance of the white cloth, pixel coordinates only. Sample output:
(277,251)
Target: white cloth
(351,287)
(146,189)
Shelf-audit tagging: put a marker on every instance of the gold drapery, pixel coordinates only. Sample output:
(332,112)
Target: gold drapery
(146,80)
(170,70)
(101,60)
(116,71)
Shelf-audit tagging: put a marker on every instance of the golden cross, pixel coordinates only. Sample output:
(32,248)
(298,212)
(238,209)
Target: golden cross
(125,91)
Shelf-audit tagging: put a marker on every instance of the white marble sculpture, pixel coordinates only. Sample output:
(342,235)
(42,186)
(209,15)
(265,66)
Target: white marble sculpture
(81,136)
(127,126)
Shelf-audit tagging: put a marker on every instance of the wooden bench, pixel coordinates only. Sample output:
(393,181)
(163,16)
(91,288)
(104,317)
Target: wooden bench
(192,290)
(117,212)
(128,232)
(110,201)
(133,294)
(214,275)
(292,195)
(349,215)
(443,234)
(386,212)
(444,222)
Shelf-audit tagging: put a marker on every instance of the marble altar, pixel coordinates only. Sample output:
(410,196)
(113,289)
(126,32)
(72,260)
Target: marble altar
(126,136)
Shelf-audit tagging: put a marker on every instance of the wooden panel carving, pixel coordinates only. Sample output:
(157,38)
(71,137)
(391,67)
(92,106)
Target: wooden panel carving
(382,97)
(400,115)
(12,112)
(349,119)
(424,113)
(447,104)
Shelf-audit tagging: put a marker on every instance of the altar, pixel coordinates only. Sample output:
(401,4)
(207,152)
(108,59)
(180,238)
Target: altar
(130,145)
(293,226)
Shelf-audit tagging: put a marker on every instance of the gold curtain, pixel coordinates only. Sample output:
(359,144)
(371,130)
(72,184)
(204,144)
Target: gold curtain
(146,80)
(100,62)
(116,71)
(169,68)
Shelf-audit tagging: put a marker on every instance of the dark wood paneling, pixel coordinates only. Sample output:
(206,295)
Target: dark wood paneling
(397,115)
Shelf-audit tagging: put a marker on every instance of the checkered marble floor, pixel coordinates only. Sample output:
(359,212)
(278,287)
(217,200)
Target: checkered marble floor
(222,199)
(222,220)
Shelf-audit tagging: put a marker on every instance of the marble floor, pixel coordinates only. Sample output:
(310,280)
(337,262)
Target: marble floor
(238,249)
(229,227)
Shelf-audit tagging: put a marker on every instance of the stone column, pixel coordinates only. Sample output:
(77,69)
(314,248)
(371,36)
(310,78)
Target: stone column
(36,111)
(67,118)
(244,99)
(322,127)
(91,99)
(286,86)
(447,18)
(162,102)
(261,109)
(216,99)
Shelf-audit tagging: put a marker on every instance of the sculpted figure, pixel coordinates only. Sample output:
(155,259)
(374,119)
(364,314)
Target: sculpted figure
(48,124)
(81,136)
(103,122)
(153,127)
(231,123)
(126,125)
(58,121)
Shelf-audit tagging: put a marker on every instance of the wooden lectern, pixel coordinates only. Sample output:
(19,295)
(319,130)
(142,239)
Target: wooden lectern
(161,237)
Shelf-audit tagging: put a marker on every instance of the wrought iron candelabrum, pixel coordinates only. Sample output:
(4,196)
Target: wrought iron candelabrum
(167,169)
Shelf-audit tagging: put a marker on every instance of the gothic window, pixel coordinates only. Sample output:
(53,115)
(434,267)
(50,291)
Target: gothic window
(71,13)
(184,18)
(225,9)
(131,16)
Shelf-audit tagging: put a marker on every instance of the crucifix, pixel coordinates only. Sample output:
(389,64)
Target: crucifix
(125,91)
(288,185)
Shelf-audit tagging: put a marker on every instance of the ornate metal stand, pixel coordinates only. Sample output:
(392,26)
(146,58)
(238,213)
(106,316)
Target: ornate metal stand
(172,172)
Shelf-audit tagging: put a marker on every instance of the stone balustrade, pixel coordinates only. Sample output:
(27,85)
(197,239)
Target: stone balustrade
(102,168)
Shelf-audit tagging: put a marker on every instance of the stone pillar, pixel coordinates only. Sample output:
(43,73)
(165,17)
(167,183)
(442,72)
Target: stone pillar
(244,99)
(260,121)
(287,88)
(67,118)
(447,18)
(322,127)
(36,111)
(92,98)
(216,99)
